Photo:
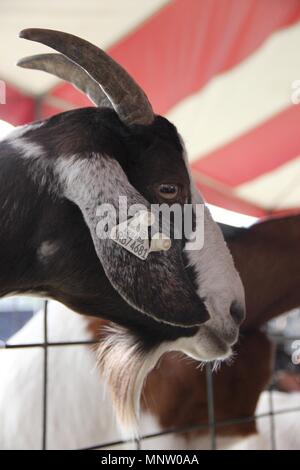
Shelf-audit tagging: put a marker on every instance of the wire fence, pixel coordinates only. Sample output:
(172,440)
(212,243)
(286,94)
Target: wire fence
(210,427)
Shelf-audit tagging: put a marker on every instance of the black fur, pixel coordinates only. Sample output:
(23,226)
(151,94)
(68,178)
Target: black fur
(73,274)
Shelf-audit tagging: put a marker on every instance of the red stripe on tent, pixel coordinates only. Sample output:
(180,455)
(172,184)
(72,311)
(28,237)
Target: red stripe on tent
(19,109)
(176,51)
(48,111)
(255,153)
(188,42)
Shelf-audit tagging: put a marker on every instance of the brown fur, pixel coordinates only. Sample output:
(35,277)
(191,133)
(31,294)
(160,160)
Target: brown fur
(267,257)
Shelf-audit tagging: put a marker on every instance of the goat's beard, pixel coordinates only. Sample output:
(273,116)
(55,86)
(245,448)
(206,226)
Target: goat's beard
(125,365)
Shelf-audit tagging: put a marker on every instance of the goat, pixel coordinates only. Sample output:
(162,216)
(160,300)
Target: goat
(56,173)
(175,392)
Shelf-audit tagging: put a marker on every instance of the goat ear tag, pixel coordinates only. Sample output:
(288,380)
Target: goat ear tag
(133,236)
(130,240)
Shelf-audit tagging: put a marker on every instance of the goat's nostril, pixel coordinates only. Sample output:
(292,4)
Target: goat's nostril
(237,312)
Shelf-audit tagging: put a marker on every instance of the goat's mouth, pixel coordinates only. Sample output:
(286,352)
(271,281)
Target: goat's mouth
(208,344)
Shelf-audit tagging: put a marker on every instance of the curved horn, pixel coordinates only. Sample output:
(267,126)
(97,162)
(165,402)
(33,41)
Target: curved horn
(66,69)
(127,98)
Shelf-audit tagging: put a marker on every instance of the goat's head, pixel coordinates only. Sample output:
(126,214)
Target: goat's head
(121,148)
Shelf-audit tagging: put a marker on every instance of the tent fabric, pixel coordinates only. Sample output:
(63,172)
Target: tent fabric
(102,22)
(18,109)
(224,71)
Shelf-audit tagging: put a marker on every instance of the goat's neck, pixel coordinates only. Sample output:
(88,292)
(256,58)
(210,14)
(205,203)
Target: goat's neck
(268,259)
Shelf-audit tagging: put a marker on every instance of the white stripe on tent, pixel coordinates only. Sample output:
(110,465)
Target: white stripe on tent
(279,189)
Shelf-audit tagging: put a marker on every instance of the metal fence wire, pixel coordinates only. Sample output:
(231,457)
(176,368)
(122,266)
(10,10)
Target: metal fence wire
(210,426)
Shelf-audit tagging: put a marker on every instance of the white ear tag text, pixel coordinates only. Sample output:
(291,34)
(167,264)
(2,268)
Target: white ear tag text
(133,236)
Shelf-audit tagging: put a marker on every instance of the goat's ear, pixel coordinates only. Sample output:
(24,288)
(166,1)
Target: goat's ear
(158,286)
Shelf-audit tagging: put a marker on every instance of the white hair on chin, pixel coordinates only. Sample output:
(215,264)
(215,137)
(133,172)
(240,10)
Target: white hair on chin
(125,366)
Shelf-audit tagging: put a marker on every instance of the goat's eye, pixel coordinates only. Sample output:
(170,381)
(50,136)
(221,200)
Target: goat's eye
(168,191)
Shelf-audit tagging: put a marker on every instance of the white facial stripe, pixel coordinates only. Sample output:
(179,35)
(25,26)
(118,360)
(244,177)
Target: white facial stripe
(216,277)
(213,264)
(218,280)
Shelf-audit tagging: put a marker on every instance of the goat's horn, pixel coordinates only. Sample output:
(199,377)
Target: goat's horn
(66,69)
(127,98)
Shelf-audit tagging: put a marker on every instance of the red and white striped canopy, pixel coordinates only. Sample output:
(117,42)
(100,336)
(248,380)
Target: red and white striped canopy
(226,72)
